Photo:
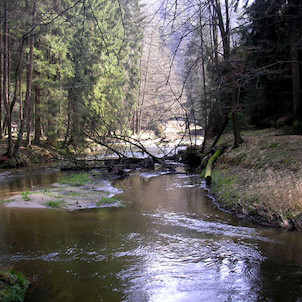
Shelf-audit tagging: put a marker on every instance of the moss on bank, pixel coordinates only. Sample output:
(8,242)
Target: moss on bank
(262,179)
(13,286)
(75,179)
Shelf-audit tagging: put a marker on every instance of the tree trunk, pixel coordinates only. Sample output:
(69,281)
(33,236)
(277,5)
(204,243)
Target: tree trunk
(237,138)
(38,132)
(208,172)
(224,30)
(1,75)
(295,69)
(28,105)
(5,79)
(205,98)
(68,121)
(20,95)
(220,132)
(236,128)
(26,119)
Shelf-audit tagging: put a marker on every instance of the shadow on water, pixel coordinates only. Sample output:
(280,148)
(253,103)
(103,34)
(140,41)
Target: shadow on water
(170,243)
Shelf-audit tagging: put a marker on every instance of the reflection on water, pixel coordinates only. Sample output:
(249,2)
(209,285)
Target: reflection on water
(15,181)
(169,244)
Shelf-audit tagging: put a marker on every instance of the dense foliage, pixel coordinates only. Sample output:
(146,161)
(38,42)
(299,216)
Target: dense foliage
(241,63)
(68,69)
(273,42)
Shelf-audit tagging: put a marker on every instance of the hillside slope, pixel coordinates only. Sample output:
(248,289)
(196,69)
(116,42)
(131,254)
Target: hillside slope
(262,179)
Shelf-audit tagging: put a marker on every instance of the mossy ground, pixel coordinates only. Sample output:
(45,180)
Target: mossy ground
(262,179)
(13,286)
(78,179)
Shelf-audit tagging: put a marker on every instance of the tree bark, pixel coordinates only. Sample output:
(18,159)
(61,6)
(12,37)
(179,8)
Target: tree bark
(26,119)
(1,76)
(205,98)
(220,132)
(5,79)
(38,132)
(28,104)
(236,128)
(295,68)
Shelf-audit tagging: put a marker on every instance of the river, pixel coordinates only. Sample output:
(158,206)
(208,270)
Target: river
(170,243)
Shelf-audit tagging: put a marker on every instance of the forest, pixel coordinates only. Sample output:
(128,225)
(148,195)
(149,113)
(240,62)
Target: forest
(150,150)
(99,71)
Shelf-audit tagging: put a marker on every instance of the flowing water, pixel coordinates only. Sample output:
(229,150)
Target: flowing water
(170,243)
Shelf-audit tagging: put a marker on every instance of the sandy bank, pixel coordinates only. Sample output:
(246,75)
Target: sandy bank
(68,196)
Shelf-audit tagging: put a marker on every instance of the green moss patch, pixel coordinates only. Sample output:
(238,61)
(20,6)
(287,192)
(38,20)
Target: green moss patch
(106,200)
(55,204)
(75,179)
(5,201)
(25,196)
(13,286)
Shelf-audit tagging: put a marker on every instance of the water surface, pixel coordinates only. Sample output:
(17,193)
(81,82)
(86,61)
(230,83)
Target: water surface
(170,243)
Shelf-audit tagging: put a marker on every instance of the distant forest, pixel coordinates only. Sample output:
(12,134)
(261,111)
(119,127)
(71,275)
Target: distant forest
(76,72)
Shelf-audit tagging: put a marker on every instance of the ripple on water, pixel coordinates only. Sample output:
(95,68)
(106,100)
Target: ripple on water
(206,227)
(106,186)
(186,269)
(151,174)
(178,266)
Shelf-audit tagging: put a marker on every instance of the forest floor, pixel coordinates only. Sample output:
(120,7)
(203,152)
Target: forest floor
(262,179)
(32,155)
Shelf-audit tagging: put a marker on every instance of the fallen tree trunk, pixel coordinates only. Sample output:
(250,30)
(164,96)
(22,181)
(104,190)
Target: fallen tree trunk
(208,173)
(109,164)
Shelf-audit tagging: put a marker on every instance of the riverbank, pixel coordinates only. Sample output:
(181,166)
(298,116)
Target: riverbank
(262,179)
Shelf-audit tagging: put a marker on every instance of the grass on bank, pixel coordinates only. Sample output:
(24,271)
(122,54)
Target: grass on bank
(77,180)
(106,200)
(25,195)
(4,201)
(55,204)
(262,178)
